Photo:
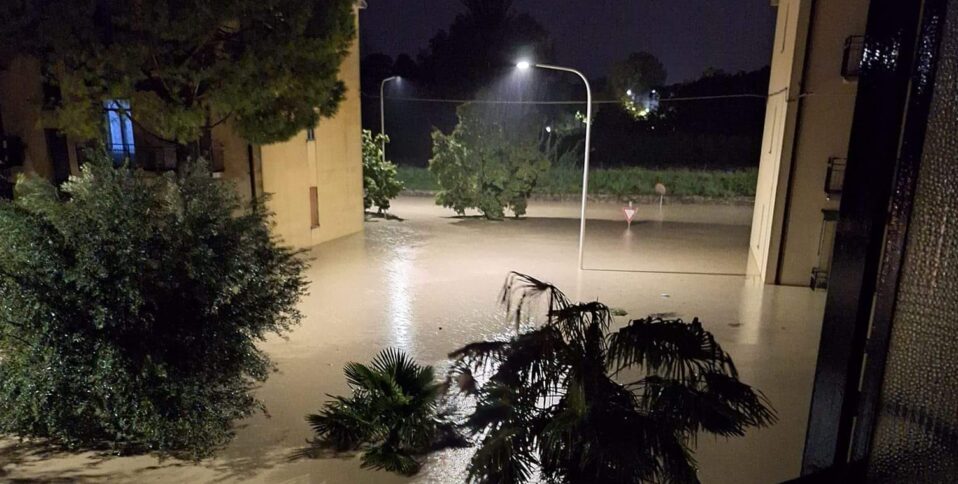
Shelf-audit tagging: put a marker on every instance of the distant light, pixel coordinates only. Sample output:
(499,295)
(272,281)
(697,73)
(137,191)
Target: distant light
(628,93)
(653,91)
(548,129)
(523,65)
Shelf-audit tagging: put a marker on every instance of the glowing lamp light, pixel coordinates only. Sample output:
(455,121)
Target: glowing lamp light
(523,65)
(548,129)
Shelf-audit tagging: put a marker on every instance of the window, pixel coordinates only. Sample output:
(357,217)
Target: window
(119,130)
(314,207)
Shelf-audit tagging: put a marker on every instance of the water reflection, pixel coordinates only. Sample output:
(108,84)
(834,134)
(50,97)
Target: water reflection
(399,295)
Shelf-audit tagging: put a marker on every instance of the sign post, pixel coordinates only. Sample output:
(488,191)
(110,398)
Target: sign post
(629,213)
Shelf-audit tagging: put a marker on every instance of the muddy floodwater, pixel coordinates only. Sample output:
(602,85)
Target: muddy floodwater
(428,284)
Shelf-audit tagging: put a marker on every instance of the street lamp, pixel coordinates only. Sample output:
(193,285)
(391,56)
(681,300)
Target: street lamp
(382,109)
(524,65)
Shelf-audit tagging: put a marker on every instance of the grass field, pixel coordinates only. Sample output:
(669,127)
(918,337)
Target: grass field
(622,182)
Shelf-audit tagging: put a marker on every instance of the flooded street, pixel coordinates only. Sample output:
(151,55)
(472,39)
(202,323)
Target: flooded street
(429,284)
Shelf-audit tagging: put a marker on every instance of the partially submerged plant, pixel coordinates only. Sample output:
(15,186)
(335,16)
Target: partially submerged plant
(395,414)
(589,403)
(381,183)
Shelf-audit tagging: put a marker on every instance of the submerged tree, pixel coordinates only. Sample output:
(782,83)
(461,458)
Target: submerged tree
(270,67)
(487,163)
(131,306)
(394,415)
(381,182)
(588,403)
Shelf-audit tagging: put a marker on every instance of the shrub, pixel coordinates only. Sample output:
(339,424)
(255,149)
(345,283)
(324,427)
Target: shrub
(588,401)
(417,179)
(381,183)
(484,165)
(394,414)
(130,308)
(622,182)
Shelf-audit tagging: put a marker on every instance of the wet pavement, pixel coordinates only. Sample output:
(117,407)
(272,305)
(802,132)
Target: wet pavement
(429,284)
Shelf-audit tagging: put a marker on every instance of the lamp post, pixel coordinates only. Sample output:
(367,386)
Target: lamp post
(588,137)
(382,109)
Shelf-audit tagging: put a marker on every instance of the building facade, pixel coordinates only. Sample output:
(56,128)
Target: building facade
(313,181)
(811,100)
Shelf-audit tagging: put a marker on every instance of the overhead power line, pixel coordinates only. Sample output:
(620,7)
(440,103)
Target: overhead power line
(602,101)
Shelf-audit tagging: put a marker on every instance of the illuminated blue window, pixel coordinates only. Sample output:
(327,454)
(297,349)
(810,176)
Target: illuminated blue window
(119,130)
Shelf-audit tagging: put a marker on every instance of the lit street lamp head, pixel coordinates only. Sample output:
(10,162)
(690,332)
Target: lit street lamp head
(523,65)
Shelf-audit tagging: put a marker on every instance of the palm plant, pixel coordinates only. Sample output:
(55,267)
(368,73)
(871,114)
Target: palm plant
(394,415)
(588,403)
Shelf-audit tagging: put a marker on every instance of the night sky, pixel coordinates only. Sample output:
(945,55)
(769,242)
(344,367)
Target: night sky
(688,36)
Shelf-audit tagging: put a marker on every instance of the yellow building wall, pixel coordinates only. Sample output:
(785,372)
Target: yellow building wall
(824,126)
(332,163)
(808,120)
(784,89)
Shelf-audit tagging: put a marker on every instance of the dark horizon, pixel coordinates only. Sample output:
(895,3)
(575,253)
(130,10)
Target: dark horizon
(688,36)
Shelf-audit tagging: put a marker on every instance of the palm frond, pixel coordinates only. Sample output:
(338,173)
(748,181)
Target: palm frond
(364,379)
(388,458)
(534,361)
(597,434)
(668,347)
(480,353)
(504,458)
(751,405)
(396,365)
(342,424)
(574,319)
(715,403)
(521,290)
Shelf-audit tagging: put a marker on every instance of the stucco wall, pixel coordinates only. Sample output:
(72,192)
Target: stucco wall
(808,120)
(788,53)
(824,125)
(332,163)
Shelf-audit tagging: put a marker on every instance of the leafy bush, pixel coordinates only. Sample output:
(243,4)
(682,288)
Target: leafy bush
(417,179)
(621,182)
(380,180)
(485,166)
(130,308)
(394,414)
(587,403)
